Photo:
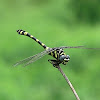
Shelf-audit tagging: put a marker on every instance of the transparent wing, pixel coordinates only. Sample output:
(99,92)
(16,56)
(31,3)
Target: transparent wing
(81,47)
(23,61)
(31,59)
(36,57)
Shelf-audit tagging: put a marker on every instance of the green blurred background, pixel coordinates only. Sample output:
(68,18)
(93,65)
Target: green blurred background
(56,23)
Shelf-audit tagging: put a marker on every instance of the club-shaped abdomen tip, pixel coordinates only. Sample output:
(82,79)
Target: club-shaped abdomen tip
(18,31)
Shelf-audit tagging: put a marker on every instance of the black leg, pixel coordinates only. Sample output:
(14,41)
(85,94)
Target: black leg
(53,62)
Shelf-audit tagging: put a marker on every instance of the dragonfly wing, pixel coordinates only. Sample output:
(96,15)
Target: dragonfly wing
(31,58)
(81,47)
(36,57)
(64,47)
(23,61)
(39,55)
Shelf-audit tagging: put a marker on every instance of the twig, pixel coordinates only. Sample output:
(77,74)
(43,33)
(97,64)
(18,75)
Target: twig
(69,83)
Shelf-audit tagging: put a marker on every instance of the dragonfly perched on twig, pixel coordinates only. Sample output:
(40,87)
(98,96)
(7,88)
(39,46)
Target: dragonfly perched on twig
(56,52)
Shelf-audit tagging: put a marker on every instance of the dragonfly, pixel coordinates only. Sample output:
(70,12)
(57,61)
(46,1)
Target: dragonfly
(56,52)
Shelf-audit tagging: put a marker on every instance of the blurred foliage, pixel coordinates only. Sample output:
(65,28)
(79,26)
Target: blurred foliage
(56,23)
(86,10)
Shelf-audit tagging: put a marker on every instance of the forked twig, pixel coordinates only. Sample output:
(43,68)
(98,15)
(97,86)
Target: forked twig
(69,83)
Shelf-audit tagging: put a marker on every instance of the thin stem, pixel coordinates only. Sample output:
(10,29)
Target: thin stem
(69,83)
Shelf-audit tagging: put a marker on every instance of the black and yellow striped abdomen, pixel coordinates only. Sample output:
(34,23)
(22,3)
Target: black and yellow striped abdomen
(22,32)
(56,53)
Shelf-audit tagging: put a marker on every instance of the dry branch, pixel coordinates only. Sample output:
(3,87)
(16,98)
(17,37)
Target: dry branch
(69,83)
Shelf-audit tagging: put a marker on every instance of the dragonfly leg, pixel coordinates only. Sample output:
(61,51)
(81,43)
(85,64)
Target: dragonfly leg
(53,62)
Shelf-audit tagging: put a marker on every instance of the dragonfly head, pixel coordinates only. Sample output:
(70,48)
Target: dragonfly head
(64,59)
(67,58)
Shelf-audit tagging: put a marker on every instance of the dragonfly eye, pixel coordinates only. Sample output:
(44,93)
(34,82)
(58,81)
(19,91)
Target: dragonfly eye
(62,57)
(67,58)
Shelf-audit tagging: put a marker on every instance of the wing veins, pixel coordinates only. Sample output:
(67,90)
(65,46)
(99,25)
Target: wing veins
(80,47)
(28,59)
(33,58)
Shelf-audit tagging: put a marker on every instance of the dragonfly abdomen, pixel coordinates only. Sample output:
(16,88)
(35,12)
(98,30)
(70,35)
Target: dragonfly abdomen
(22,32)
